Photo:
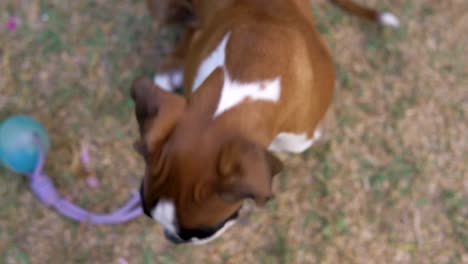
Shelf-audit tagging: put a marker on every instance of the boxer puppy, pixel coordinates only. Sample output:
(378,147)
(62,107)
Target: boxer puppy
(258,78)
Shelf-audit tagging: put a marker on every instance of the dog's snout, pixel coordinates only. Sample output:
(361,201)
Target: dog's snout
(143,204)
(173,238)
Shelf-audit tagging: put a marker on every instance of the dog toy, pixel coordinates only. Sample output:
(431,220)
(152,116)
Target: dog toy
(23,147)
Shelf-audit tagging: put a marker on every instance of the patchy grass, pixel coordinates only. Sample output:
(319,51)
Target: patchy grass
(456,208)
(387,183)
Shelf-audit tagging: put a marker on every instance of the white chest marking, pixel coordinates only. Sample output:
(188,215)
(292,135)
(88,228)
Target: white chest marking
(214,60)
(234,92)
(295,143)
(164,214)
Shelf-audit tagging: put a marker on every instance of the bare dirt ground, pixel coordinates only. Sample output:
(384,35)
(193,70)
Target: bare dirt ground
(387,184)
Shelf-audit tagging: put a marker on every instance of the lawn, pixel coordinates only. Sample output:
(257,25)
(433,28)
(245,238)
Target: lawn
(388,183)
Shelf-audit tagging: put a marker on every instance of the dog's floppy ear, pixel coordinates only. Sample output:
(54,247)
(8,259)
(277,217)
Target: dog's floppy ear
(157,112)
(246,170)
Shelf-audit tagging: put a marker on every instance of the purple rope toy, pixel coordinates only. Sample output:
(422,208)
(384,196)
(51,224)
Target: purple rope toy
(43,187)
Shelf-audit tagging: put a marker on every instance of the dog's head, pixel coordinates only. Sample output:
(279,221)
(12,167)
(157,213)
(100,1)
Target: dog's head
(196,176)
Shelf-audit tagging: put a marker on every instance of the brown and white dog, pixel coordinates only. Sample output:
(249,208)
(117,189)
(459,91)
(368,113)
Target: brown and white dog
(258,78)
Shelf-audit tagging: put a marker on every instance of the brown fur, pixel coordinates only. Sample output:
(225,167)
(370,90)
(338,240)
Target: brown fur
(208,166)
(357,9)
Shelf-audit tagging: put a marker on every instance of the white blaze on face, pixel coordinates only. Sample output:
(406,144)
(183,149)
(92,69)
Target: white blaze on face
(165,214)
(233,91)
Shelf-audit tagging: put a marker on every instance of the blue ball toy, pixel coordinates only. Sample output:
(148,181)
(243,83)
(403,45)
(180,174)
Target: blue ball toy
(20,137)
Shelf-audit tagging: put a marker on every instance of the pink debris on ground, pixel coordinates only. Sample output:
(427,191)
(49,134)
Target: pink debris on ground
(122,261)
(85,155)
(12,23)
(92,181)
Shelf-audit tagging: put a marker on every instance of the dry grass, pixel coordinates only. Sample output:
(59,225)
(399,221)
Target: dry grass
(388,184)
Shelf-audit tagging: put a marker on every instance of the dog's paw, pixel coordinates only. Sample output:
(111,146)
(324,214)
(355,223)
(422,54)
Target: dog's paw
(169,81)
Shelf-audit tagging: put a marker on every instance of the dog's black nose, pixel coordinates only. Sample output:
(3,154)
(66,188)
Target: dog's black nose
(173,238)
(143,204)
